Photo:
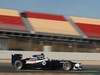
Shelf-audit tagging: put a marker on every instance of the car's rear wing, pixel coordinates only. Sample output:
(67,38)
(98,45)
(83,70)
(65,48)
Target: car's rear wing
(15,57)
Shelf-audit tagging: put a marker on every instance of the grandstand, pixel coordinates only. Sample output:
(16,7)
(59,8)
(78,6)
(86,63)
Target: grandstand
(34,31)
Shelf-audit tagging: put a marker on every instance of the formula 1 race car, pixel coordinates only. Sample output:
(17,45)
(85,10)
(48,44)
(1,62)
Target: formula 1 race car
(40,62)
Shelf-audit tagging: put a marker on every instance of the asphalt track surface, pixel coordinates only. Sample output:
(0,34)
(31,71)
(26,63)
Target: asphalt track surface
(7,69)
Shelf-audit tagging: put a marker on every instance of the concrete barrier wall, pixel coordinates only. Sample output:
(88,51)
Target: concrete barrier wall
(84,58)
(53,55)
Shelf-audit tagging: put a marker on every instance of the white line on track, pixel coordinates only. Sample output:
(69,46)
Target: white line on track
(91,71)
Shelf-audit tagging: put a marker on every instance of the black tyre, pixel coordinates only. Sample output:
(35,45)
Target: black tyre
(67,66)
(18,65)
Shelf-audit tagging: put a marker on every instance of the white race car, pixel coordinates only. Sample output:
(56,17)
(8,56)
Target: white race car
(40,62)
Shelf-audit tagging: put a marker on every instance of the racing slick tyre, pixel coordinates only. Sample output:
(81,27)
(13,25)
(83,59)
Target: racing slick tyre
(67,66)
(18,65)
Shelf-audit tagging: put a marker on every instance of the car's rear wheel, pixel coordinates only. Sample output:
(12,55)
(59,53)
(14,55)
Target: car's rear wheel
(67,66)
(18,65)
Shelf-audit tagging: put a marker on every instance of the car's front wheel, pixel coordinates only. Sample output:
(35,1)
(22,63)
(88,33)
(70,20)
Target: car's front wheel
(18,65)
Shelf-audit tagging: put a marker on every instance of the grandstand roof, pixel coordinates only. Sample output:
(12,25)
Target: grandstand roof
(90,27)
(50,23)
(11,20)
(43,23)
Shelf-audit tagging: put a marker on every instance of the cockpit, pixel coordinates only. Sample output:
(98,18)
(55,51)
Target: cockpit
(38,57)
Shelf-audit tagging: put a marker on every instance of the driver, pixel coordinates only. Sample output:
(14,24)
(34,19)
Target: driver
(42,54)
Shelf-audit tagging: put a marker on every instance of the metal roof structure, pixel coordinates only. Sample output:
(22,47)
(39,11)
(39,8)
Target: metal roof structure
(50,24)
(10,20)
(89,26)
(48,27)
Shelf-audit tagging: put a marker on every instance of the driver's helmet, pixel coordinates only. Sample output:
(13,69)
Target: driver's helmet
(42,54)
